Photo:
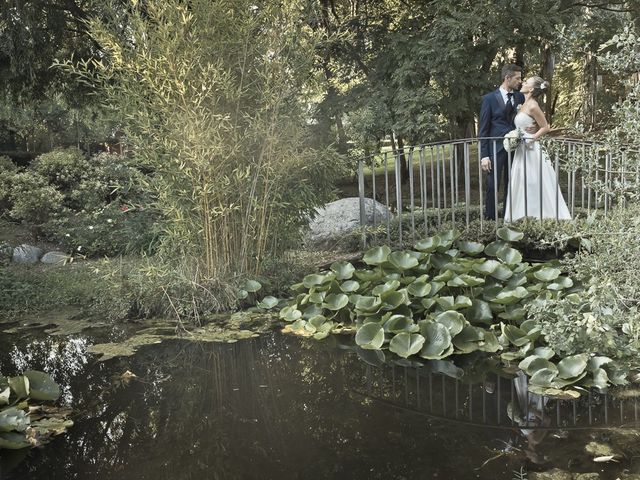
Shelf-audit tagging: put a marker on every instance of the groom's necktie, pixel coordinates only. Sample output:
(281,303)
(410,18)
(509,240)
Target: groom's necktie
(509,106)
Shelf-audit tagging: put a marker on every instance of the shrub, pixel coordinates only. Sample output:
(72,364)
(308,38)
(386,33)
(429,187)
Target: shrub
(62,168)
(33,199)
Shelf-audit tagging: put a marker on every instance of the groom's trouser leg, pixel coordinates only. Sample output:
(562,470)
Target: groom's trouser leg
(499,171)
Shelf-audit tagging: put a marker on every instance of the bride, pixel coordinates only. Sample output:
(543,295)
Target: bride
(533,183)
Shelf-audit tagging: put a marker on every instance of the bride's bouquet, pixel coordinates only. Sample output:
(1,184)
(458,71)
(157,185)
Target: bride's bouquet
(512,140)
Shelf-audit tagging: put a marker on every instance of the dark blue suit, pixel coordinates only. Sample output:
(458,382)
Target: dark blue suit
(496,122)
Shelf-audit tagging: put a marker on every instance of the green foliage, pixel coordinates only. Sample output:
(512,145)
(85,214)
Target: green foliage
(17,395)
(39,288)
(33,199)
(94,206)
(443,298)
(212,97)
(606,319)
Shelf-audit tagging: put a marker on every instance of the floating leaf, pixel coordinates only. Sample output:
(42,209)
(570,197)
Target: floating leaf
(470,248)
(394,299)
(572,366)
(419,289)
(369,275)
(4,396)
(313,280)
(543,377)
(336,301)
(544,352)
(343,270)
(509,235)
(350,286)
(42,386)
(547,274)
(490,342)
(479,312)
(487,267)
(13,419)
(20,386)
(471,281)
(290,313)
(386,287)
(368,304)
(13,440)
(252,286)
(437,340)
(510,256)
(468,340)
(406,344)
(561,283)
(494,247)
(376,255)
(503,273)
(268,302)
(454,321)
(403,260)
(370,336)
(399,324)
(428,244)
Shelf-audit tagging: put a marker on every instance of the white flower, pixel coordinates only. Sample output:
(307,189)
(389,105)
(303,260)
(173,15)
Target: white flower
(90,227)
(109,220)
(79,247)
(67,235)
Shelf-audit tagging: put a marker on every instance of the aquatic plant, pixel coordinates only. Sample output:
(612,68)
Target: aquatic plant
(23,421)
(448,296)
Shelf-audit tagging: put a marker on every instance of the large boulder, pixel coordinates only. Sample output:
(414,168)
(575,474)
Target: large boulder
(340,218)
(26,254)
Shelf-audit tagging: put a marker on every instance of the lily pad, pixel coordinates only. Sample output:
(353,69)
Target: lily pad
(437,340)
(336,301)
(547,274)
(454,321)
(42,386)
(406,344)
(370,336)
(509,235)
(376,255)
(470,248)
(343,270)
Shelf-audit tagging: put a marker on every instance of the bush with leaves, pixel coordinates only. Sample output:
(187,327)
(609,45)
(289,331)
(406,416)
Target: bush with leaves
(451,296)
(33,199)
(606,318)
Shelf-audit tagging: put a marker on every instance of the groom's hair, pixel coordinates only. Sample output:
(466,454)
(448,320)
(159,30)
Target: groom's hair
(510,69)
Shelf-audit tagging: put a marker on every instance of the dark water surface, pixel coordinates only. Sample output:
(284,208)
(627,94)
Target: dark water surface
(278,407)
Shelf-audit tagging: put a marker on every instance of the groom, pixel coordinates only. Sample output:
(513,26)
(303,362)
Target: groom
(497,115)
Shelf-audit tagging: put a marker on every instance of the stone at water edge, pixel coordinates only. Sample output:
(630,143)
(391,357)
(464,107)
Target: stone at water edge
(342,217)
(26,254)
(54,258)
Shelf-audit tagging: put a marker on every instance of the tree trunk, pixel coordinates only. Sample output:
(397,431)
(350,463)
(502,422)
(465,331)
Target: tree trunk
(404,164)
(548,65)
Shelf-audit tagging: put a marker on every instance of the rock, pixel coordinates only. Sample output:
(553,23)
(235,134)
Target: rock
(555,474)
(342,217)
(26,254)
(54,258)
(586,476)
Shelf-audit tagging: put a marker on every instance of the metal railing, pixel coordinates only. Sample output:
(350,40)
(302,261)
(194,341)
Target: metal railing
(444,183)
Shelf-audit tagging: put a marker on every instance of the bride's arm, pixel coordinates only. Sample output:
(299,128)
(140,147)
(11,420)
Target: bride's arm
(538,116)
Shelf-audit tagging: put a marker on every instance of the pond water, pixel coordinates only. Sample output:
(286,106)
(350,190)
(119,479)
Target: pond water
(281,407)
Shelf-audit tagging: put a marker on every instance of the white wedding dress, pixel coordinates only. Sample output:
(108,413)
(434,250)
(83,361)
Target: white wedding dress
(526,170)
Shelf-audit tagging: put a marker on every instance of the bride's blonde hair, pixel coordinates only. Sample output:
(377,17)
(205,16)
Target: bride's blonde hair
(540,86)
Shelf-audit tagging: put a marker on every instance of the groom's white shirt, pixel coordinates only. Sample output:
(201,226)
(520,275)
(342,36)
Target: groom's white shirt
(503,92)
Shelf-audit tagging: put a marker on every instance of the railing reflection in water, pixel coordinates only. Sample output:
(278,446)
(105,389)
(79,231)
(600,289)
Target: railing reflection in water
(444,183)
(495,402)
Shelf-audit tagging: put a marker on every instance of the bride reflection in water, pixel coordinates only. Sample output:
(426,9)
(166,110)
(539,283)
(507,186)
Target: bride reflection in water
(534,190)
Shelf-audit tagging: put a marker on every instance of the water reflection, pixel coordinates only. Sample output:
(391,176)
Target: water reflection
(279,407)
